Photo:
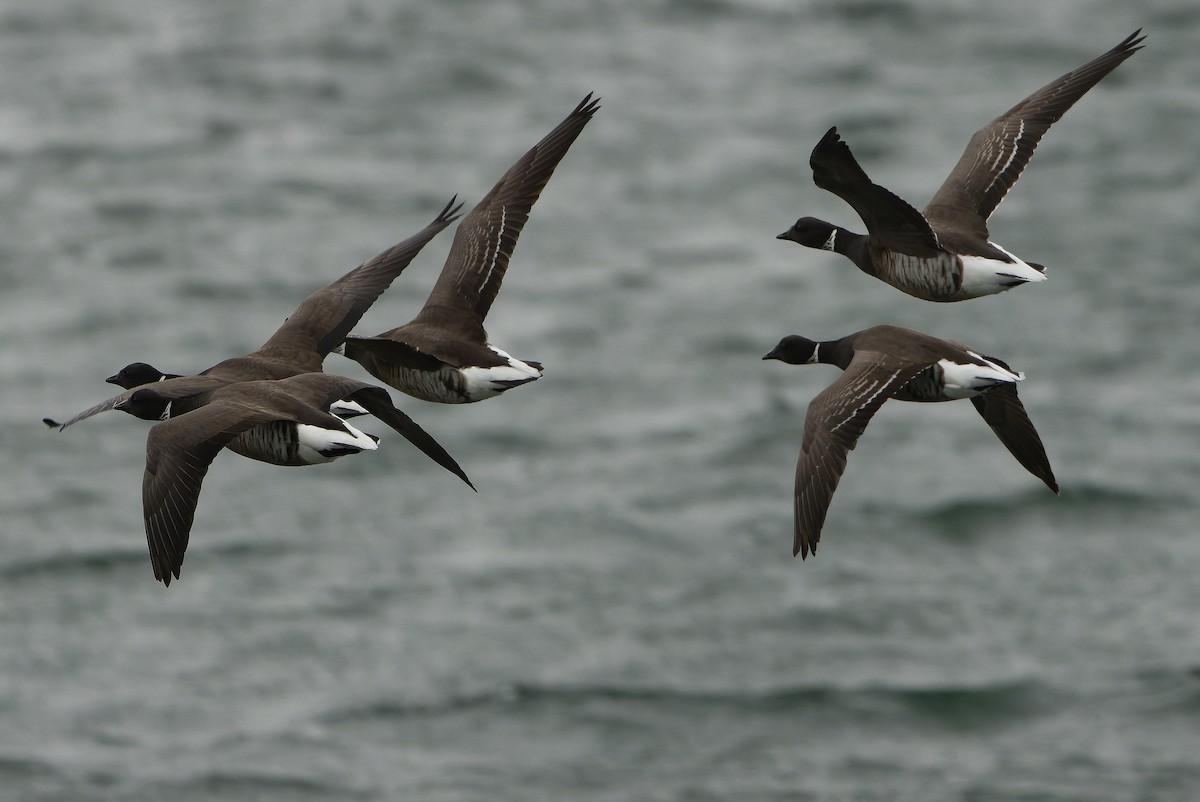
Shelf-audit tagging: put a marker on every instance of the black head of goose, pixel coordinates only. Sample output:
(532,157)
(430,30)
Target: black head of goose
(138,373)
(443,354)
(309,334)
(945,253)
(889,362)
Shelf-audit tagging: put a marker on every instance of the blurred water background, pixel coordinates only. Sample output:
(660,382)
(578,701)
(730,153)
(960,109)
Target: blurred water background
(616,615)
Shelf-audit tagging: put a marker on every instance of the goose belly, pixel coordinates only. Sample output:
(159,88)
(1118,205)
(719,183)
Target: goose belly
(269,442)
(442,386)
(291,444)
(925,386)
(931,278)
(451,385)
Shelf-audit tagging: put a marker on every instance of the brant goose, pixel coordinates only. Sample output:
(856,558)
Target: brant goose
(885,362)
(443,354)
(273,443)
(945,254)
(179,450)
(301,344)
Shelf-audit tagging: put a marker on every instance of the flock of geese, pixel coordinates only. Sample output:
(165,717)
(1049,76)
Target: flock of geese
(277,404)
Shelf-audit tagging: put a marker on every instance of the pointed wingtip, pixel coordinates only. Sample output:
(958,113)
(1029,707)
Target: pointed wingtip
(801,548)
(451,211)
(1133,41)
(589,105)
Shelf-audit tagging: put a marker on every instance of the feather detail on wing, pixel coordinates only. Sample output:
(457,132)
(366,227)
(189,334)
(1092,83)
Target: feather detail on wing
(485,239)
(836,418)
(323,319)
(178,453)
(998,152)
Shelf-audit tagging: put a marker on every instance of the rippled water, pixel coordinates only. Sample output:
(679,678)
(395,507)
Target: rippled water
(616,615)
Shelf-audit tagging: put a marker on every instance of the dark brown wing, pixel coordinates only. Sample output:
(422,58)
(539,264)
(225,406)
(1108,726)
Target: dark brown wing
(1005,413)
(891,222)
(377,401)
(178,453)
(366,349)
(174,389)
(998,152)
(484,240)
(324,318)
(835,420)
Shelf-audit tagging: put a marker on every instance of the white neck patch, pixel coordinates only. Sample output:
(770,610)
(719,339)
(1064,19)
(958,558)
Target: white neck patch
(828,246)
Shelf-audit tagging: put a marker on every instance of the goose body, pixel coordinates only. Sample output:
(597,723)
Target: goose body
(885,362)
(945,253)
(299,346)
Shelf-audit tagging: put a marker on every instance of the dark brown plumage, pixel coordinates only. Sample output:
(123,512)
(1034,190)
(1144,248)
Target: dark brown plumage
(945,253)
(180,450)
(885,362)
(299,346)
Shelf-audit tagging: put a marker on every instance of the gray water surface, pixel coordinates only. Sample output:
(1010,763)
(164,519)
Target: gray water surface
(616,615)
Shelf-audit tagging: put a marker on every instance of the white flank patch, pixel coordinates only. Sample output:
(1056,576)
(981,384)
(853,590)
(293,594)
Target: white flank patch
(970,379)
(481,383)
(984,276)
(315,439)
(347,409)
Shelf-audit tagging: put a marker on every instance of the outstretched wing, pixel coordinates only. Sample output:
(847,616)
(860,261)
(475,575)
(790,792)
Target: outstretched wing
(323,319)
(997,153)
(485,239)
(166,390)
(322,389)
(377,401)
(836,418)
(1005,413)
(178,453)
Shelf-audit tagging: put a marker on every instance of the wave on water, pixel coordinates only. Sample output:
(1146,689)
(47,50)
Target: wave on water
(15,769)
(948,704)
(69,565)
(232,784)
(1088,501)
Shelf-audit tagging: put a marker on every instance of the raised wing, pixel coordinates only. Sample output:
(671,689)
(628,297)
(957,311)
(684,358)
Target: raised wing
(323,319)
(485,239)
(888,217)
(836,418)
(997,153)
